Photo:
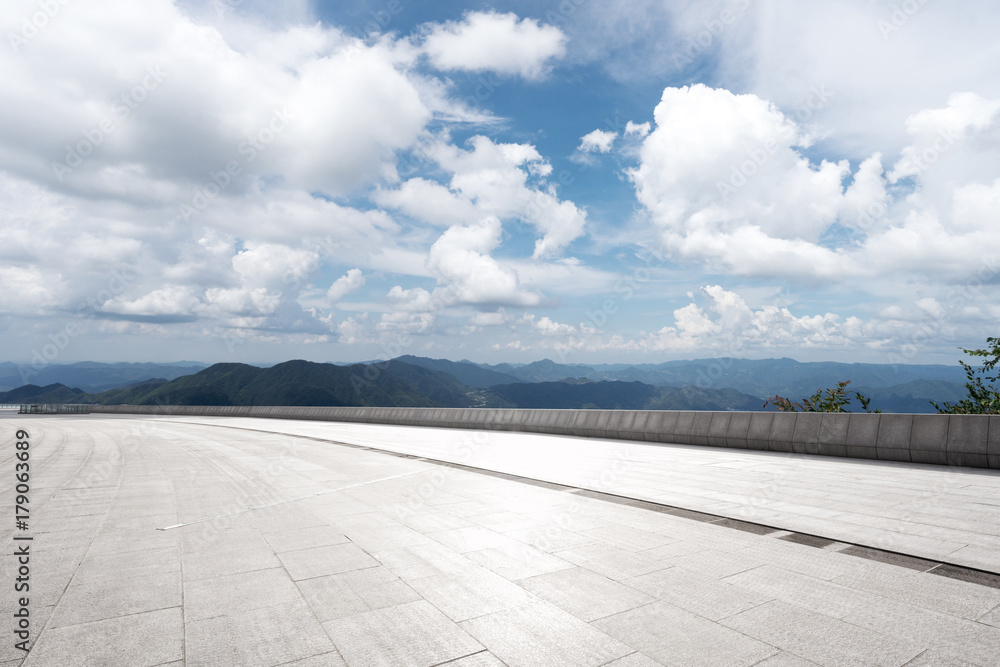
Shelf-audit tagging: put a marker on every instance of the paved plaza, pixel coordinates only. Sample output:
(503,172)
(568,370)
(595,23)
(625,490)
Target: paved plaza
(228,541)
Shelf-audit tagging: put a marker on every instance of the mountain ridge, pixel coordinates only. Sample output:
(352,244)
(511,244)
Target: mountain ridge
(723,383)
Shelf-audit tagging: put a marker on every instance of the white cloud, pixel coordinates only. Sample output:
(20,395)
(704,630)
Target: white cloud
(171,300)
(882,78)
(724,180)
(350,282)
(352,331)
(146,119)
(461,261)
(598,141)
(548,327)
(495,177)
(428,201)
(936,131)
(498,318)
(638,129)
(241,302)
(416,299)
(272,265)
(404,323)
(488,41)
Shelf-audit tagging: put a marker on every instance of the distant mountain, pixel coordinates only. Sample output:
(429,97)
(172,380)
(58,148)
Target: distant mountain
(757,377)
(607,395)
(706,384)
(303,383)
(91,376)
(914,396)
(32,393)
(547,370)
(465,372)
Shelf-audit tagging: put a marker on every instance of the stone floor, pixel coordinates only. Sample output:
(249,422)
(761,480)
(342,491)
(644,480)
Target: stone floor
(263,542)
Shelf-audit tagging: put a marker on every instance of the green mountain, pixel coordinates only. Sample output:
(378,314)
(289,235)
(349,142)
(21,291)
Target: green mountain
(300,382)
(32,393)
(465,372)
(708,384)
(91,376)
(622,396)
(757,377)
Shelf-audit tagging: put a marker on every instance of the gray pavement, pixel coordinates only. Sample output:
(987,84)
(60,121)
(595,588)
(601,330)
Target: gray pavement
(161,541)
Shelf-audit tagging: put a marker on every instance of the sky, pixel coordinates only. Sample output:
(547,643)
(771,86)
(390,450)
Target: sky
(590,182)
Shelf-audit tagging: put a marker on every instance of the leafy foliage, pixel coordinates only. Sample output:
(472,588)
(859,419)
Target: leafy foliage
(833,399)
(983,395)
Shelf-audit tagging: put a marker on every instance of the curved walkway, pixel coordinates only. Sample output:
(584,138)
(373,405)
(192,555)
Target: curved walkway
(260,542)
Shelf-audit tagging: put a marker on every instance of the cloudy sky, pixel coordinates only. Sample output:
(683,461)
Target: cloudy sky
(638,181)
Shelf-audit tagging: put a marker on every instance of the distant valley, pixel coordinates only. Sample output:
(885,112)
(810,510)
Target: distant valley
(410,381)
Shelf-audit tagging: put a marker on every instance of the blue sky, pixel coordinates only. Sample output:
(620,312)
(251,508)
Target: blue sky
(639,181)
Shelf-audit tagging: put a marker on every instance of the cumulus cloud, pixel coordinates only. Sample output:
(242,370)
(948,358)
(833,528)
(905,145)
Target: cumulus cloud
(935,131)
(167,302)
(405,323)
(484,320)
(726,321)
(548,327)
(428,201)
(598,141)
(488,41)
(461,261)
(726,182)
(510,181)
(350,282)
(637,129)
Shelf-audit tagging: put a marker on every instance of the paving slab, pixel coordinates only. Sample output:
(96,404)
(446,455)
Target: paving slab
(543,634)
(823,639)
(797,486)
(471,593)
(672,635)
(414,634)
(560,551)
(339,595)
(208,598)
(700,594)
(586,594)
(115,597)
(321,561)
(152,638)
(266,636)
(954,637)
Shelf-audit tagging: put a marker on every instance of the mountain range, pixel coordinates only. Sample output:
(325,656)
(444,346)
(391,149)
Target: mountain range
(91,376)
(411,381)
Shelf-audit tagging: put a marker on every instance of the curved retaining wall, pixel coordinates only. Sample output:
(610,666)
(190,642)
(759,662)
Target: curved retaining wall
(958,440)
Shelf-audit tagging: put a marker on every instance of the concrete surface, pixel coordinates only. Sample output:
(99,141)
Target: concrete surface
(283,547)
(955,440)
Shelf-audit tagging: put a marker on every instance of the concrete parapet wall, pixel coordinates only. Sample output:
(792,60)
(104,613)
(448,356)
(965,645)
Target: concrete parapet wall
(957,440)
